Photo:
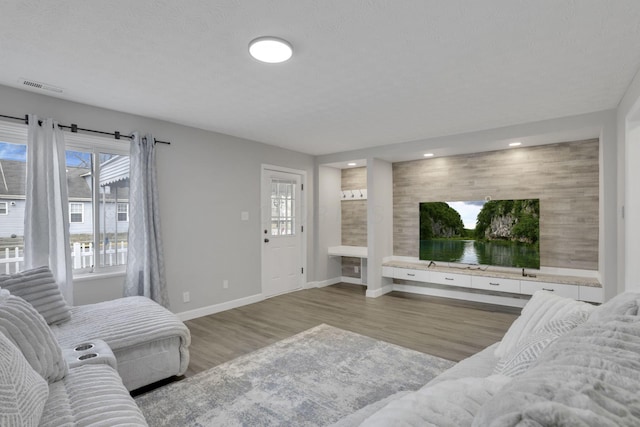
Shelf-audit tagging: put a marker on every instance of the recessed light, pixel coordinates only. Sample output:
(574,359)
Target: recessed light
(428,154)
(515,144)
(351,164)
(270,49)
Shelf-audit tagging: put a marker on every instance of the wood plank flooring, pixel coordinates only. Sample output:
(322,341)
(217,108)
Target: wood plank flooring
(442,327)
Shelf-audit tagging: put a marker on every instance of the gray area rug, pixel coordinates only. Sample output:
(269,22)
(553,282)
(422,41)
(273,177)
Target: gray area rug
(311,379)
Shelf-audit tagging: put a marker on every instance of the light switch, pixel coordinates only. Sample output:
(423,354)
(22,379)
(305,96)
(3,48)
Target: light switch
(244,216)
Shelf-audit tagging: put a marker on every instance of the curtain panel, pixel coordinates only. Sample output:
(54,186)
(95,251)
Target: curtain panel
(46,232)
(145,257)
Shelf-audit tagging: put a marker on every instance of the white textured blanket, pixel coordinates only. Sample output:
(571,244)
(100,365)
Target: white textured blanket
(122,323)
(589,377)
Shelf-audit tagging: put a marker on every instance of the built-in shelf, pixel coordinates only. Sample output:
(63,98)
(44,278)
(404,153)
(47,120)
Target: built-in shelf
(350,251)
(580,288)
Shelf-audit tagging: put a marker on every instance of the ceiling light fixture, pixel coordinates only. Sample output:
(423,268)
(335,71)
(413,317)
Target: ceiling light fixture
(351,164)
(515,144)
(428,154)
(270,49)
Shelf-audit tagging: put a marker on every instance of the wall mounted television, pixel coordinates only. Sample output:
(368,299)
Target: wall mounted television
(493,232)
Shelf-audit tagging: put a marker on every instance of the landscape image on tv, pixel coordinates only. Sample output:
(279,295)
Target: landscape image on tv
(495,232)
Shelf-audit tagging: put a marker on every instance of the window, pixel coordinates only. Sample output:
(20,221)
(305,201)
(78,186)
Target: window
(283,195)
(99,176)
(98,187)
(123,212)
(4,208)
(76,212)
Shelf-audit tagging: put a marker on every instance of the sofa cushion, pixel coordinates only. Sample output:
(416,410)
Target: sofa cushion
(38,287)
(588,377)
(627,303)
(27,329)
(526,352)
(447,404)
(23,392)
(90,395)
(542,307)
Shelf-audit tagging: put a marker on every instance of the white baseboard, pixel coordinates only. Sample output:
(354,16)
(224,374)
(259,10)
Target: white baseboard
(461,295)
(351,280)
(217,308)
(323,283)
(375,293)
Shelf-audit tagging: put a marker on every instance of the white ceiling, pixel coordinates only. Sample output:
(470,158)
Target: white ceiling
(364,73)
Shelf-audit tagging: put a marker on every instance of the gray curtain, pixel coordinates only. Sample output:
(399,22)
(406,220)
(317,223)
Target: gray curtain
(145,260)
(46,217)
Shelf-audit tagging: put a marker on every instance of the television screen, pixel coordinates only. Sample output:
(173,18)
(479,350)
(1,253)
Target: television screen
(495,232)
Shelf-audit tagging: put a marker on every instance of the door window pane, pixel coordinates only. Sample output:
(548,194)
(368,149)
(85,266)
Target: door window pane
(283,194)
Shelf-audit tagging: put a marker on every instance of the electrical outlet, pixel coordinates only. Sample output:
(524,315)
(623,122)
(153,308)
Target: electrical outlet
(186,297)
(225,284)
(356,269)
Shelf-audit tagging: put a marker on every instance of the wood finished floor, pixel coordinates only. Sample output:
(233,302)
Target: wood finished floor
(442,327)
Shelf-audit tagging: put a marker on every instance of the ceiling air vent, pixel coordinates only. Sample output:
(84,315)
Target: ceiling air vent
(38,85)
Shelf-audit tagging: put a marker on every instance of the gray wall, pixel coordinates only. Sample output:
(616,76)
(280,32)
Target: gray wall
(565,177)
(206,180)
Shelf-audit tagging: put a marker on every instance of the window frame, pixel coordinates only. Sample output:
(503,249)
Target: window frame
(6,208)
(81,204)
(96,145)
(126,211)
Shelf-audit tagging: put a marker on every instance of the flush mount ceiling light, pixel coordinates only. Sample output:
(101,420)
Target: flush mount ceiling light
(428,154)
(270,49)
(515,144)
(351,164)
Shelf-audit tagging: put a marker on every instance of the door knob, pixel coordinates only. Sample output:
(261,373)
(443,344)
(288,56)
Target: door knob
(266,240)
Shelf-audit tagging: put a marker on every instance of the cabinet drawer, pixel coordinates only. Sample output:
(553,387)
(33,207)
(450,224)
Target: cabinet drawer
(528,287)
(409,274)
(591,294)
(495,284)
(451,279)
(387,271)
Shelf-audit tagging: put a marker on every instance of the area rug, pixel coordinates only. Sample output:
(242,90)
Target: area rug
(311,379)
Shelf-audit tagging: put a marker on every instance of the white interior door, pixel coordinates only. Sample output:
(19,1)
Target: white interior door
(281,233)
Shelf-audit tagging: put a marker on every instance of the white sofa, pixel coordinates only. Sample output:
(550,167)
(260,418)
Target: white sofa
(62,366)
(562,363)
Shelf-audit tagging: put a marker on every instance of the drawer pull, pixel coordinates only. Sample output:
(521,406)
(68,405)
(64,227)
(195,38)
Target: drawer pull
(547,289)
(448,278)
(494,284)
(411,274)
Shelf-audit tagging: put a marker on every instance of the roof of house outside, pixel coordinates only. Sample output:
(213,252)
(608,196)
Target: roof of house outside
(13,179)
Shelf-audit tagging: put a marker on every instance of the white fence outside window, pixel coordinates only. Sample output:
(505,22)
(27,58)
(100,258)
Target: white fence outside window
(82,256)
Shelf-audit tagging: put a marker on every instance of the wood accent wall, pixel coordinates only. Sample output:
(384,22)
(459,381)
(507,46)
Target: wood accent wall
(354,212)
(564,176)
(353,218)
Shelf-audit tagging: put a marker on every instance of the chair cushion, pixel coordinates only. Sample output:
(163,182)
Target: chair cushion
(38,287)
(23,392)
(27,329)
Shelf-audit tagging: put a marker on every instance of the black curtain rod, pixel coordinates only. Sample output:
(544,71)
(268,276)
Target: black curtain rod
(74,128)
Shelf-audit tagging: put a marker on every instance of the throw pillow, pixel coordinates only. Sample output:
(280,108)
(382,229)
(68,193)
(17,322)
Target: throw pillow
(542,308)
(38,287)
(23,393)
(626,304)
(522,356)
(26,328)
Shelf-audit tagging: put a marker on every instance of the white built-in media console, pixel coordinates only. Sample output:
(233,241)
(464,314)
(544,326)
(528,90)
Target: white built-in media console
(501,283)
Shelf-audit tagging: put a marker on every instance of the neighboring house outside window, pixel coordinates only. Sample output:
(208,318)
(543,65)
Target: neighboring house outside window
(123,212)
(76,212)
(4,208)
